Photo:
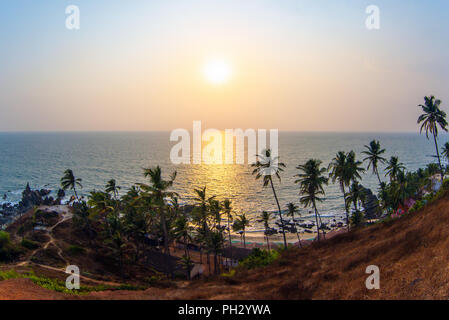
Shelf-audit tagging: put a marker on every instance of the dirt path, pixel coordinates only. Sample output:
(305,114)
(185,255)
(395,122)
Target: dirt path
(66,215)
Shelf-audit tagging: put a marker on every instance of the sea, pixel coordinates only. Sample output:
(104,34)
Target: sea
(40,158)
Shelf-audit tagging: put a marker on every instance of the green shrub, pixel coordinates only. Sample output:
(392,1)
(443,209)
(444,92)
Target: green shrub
(75,250)
(4,239)
(59,285)
(259,258)
(357,219)
(9,274)
(229,274)
(417,206)
(8,251)
(29,244)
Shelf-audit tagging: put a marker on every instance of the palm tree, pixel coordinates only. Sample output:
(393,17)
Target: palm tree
(111,187)
(182,230)
(100,202)
(433,117)
(228,211)
(158,190)
(267,167)
(201,217)
(311,181)
(354,168)
(187,263)
(339,171)
(240,224)
(265,218)
(374,152)
(394,167)
(215,241)
(355,195)
(216,212)
(291,210)
(68,181)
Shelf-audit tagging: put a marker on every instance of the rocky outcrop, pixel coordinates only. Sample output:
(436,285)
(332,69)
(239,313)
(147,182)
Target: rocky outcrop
(370,205)
(30,199)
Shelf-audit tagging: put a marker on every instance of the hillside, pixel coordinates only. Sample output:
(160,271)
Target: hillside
(411,253)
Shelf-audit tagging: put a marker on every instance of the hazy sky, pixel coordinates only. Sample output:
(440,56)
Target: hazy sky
(295,65)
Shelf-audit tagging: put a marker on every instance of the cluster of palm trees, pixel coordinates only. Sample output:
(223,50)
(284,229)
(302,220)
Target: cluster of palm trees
(345,170)
(124,222)
(152,210)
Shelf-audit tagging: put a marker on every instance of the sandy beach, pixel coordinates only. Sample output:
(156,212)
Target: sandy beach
(259,240)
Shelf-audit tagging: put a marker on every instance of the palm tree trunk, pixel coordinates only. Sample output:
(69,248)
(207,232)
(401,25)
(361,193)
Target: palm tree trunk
(378,177)
(299,239)
(297,234)
(230,242)
(342,186)
(208,260)
(164,228)
(268,243)
(280,213)
(438,155)
(244,239)
(76,195)
(316,220)
(321,223)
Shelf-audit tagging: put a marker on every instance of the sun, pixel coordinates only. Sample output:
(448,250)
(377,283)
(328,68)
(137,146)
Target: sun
(217,71)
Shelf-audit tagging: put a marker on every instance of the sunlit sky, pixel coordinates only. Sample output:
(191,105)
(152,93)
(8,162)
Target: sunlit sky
(158,65)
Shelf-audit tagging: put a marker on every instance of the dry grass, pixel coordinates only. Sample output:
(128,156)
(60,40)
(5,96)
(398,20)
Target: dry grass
(412,254)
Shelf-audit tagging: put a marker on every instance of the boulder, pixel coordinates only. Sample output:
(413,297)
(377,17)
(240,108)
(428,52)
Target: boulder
(370,205)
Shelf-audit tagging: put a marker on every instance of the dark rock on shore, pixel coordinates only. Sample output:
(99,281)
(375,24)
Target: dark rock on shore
(371,205)
(30,199)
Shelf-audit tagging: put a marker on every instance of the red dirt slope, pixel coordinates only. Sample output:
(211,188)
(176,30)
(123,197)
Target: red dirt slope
(412,254)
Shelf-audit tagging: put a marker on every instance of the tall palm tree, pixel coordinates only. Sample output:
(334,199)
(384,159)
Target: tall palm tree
(216,211)
(158,189)
(292,209)
(374,157)
(433,117)
(311,181)
(354,168)
(215,243)
(240,224)
(201,218)
(100,202)
(182,231)
(394,168)
(228,211)
(355,195)
(265,218)
(69,181)
(111,187)
(339,171)
(268,166)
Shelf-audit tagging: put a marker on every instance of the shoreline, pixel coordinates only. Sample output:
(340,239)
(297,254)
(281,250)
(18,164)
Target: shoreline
(260,240)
